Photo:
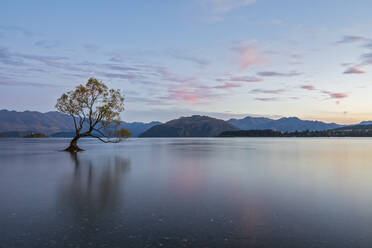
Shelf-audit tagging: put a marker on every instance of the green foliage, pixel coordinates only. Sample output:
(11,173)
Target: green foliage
(96,107)
(124,133)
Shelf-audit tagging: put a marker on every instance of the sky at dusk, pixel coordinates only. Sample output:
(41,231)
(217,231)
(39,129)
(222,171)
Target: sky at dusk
(172,58)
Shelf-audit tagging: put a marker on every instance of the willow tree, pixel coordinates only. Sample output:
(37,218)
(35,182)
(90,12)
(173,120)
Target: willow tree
(95,110)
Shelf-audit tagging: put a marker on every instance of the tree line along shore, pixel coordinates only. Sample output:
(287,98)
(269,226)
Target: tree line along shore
(351,132)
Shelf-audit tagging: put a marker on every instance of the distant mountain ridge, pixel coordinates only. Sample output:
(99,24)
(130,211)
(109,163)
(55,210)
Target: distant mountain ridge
(361,126)
(194,126)
(365,123)
(51,123)
(56,124)
(285,124)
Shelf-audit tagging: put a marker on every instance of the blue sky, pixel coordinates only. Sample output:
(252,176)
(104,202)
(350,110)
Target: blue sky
(223,58)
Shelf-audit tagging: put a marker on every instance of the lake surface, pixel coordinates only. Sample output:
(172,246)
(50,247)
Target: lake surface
(237,192)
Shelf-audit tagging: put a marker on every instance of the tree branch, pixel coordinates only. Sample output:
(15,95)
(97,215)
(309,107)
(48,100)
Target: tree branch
(100,132)
(106,141)
(73,117)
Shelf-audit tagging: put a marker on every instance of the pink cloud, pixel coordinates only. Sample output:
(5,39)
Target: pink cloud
(338,95)
(186,94)
(335,95)
(249,55)
(308,87)
(354,70)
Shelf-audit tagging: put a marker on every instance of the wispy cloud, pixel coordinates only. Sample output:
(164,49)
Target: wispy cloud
(178,93)
(219,8)
(334,94)
(115,57)
(368,45)
(296,56)
(278,74)
(166,75)
(366,59)
(224,6)
(17,29)
(120,67)
(267,99)
(12,58)
(228,86)
(245,79)
(92,48)
(277,91)
(149,100)
(308,87)
(46,44)
(351,39)
(41,58)
(249,56)
(192,59)
(119,75)
(6,57)
(60,62)
(354,70)
(6,81)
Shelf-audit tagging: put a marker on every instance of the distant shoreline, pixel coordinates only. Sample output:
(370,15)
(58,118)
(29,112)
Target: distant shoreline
(341,132)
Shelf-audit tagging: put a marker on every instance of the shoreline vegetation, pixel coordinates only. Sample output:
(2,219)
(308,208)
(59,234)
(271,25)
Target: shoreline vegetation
(36,135)
(247,134)
(342,132)
(348,131)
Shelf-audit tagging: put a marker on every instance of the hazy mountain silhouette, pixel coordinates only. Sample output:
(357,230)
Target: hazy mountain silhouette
(56,124)
(52,123)
(194,126)
(362,126)
(286,124)
(366,123)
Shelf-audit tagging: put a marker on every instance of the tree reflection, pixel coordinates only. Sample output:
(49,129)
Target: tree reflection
(95,186)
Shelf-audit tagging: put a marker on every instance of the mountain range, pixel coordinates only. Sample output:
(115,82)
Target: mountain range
(194,126)
(285,124)
(56,124)
(13,124)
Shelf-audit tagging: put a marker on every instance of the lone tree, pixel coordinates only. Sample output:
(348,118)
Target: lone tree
(95,110)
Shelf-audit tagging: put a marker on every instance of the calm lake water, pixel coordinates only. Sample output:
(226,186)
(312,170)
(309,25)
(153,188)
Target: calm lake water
(238,192)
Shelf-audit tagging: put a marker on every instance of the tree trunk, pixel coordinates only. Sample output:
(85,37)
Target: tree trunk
(74,148)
